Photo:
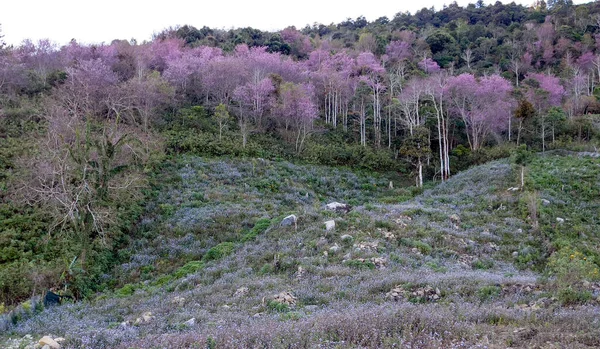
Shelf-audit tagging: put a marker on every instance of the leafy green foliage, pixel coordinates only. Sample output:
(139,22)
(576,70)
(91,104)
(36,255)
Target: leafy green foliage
(221,250)
(260,227)
(189,268)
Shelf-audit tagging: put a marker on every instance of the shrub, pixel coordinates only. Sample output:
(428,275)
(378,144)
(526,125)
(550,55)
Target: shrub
(188,268)
(259,227)
(360,264)
(126,290)
(571,266)
(482,264)
(488,292)
(423,247)
(221,250)
(267,268)
(570,296)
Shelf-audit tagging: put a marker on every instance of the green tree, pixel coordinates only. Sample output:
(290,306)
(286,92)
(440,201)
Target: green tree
(416,149)
(521,157)
(557,119)
(222,116)
(524,112)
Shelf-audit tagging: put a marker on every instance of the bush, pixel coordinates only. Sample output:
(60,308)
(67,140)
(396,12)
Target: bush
(571,266)
(188,268)
(570,296)
(126,290)
(482,264)
(221,250)
(260,227)
(488,292)
(360,264)
(355,156)
(278,307)
(423,247)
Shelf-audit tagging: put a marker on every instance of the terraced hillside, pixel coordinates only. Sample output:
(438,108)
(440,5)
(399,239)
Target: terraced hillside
(474,262)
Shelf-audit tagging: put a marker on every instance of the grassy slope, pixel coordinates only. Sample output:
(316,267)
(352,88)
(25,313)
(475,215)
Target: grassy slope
(214,229)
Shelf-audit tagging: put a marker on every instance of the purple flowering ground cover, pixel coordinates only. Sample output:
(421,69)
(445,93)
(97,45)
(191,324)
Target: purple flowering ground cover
(464,264)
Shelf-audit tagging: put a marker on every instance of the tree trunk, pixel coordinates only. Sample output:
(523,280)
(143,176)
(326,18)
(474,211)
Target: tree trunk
(522,178)
(420,178)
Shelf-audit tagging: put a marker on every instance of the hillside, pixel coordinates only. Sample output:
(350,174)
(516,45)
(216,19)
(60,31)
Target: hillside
(467,263)
(426,180)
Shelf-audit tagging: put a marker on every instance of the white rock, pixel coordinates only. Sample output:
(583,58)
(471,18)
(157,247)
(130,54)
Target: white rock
(454,218)
(191,322)
(47,340)
(180,301)
(560,220)
(335,248)
(545,202)
(337,206)
(330,225)
(347,238)
(241,292)
(289,220)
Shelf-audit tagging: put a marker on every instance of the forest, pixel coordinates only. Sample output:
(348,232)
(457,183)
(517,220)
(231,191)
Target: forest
(85,130)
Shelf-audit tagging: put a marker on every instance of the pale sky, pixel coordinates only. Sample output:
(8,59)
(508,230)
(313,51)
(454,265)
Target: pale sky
(102,21)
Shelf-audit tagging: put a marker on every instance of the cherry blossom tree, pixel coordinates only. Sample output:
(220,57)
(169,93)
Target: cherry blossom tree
(429,66)
(544,91)
(484,105)
(256,97)
(297,111)
(372,74)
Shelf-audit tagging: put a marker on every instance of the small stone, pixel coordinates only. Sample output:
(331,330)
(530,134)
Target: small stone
(379,262)
(336,206)
(515,254)
(290,220)
(180,301)
(454,218)
(225,306)
(285,298)
(545,202)
(190,322)
(242,291)
(59,339)
(47,340)
(335,248)
(560,220)
(147,316)
(46,347)
(330,225)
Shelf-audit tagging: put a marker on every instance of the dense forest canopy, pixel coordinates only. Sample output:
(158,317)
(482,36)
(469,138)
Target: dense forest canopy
(81,125)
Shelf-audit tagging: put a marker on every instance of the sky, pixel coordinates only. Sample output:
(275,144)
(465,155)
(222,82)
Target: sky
(102,21)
